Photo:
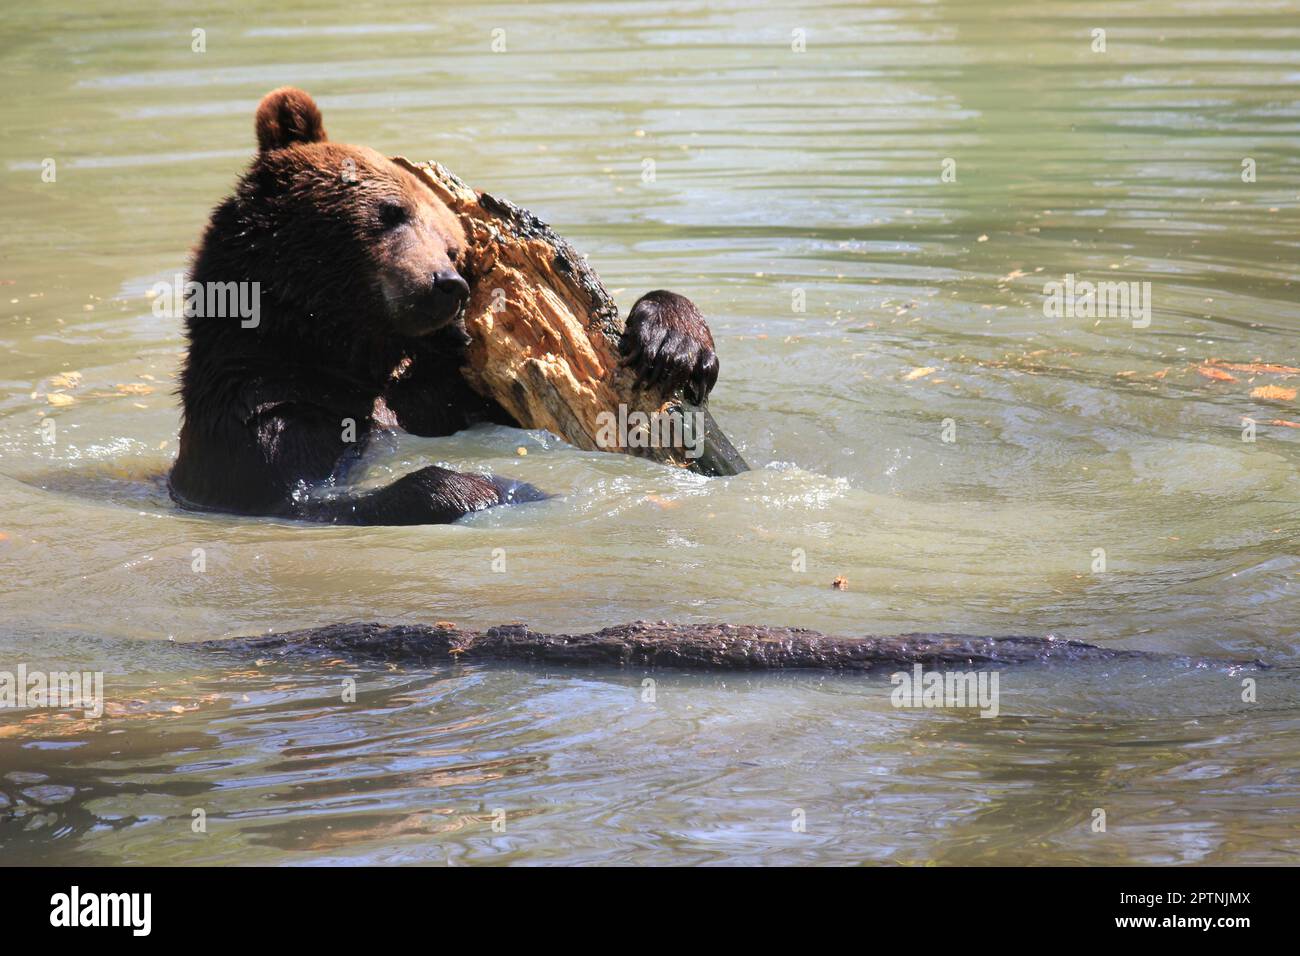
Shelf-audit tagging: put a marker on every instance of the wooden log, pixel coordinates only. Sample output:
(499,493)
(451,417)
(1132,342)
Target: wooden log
(545,332)
(690,646)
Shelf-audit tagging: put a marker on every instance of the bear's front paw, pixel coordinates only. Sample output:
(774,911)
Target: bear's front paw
(668,343)
(457,491)
(514,492)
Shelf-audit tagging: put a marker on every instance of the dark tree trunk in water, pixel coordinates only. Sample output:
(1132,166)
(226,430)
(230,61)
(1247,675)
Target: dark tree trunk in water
(693,646)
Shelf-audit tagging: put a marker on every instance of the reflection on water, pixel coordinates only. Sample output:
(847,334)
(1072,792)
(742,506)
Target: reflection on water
(493,764)
(917,423)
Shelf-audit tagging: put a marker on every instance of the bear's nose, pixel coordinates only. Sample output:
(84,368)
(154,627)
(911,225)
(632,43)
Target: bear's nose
(448,282)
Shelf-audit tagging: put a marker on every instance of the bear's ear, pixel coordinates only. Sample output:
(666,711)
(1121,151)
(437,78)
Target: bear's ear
(286,116)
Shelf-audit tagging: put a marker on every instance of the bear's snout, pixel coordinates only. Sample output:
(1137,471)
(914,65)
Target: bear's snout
(429,304)
(448,293)
(448,284)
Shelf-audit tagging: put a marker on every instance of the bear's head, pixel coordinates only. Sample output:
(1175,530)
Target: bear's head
(343,233)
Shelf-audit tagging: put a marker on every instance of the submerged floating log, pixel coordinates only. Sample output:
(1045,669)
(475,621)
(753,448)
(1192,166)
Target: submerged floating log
(545,332)
(691,646)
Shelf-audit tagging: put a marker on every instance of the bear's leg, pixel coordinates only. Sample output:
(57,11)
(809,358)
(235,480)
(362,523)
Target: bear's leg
(427,394)
(431,495)
(440,407)
(268,462)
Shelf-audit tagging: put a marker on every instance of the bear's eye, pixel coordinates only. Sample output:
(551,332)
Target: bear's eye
(392,215)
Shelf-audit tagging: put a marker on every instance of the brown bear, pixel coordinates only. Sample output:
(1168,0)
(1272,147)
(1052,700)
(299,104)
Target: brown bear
(355,270)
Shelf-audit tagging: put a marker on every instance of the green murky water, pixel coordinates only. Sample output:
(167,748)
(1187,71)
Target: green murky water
(918,424)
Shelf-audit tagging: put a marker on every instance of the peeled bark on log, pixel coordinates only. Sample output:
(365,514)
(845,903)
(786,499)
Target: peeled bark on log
(689,646)
(545,332)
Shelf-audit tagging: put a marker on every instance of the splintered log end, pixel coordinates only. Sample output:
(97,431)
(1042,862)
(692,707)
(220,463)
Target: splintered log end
(545,331)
